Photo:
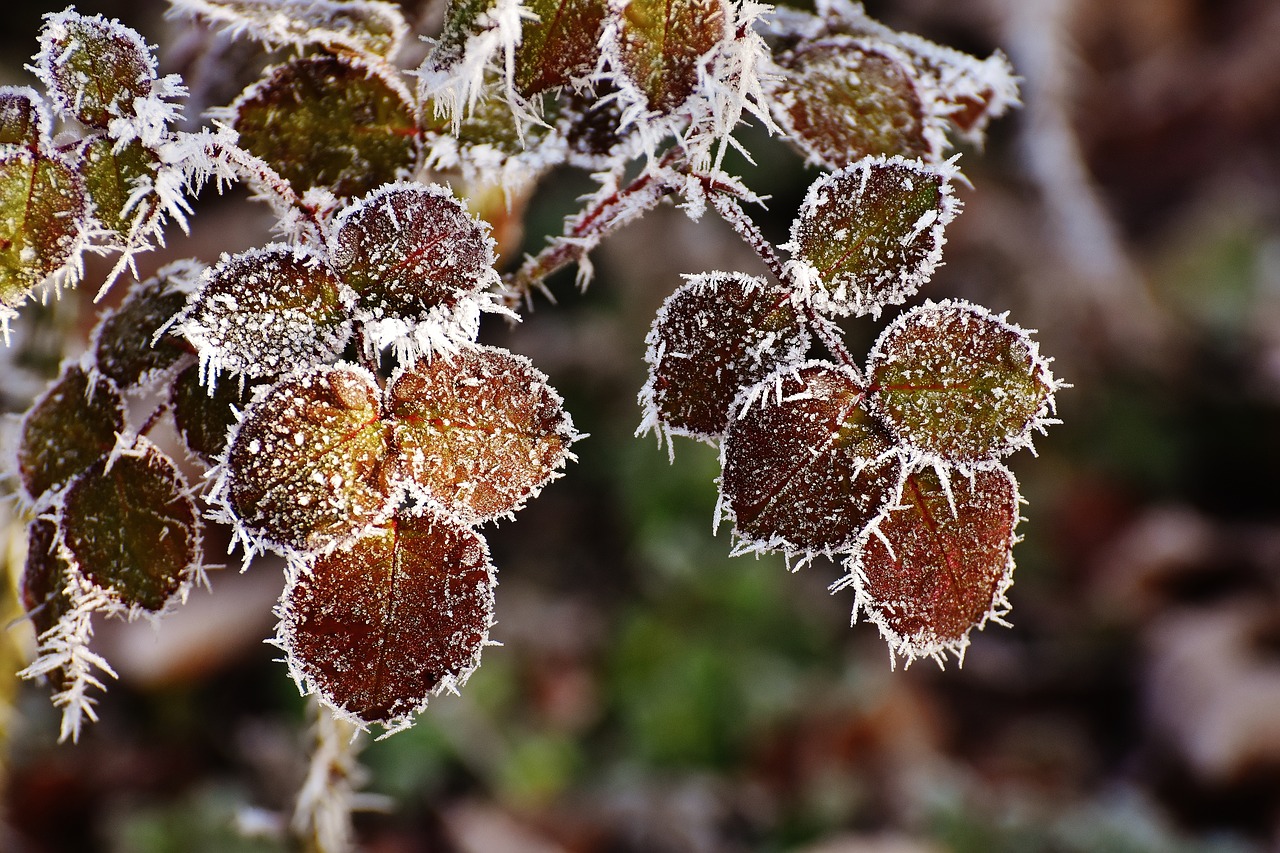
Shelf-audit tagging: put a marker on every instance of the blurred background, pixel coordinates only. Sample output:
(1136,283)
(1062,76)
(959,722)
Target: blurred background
(651,694)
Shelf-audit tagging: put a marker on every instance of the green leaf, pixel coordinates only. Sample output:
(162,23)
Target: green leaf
(841,99)
(111,177)
(133,528)
(94,68)
(871,234)
(42,216)
(480,430)
(942,561)
(267,311)
(24,118)
(363,26)
(122,347)
(953,380)
(563,45)
(68,429)
(717,334)
(382,622)
(329,121)
(406,248)
(204,415)
(305,466)
(44,577)
(661,43)
(805,469)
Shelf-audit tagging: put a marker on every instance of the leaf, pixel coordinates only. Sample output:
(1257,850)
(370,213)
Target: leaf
(661,44)
(463,20)
(563,45)
(329,121)
(122,348)
(481,431)
(204,415)
(68,429)
(132,527)
(24,118)
(305,465)
(113,177)
(267,311)
(942,561)
(397,614)
(953,380)
(841,99)
(805,469)
(363,26)
(407,247)
(94,68)
(717,334)
(43,211)
(871,234)
(44,577)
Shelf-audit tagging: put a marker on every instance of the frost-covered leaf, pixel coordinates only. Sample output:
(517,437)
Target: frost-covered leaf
(68,429)
(43,211)
(480,430)
(204,414)
(364,26)
(406,248)
(590,122)
(113,179)
(953,380)
(94,67)
(267,311)
(717,334)
(395,615)
(329,121)
(661,46)
(305,466)
(941,562)
(123,347)
(841,99)
(44,577)
(805,468)
(24,117)
(871,234)
(562,46)
(133,528)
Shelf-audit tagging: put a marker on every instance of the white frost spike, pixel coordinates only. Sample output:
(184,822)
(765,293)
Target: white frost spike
(328,796)
(65,648)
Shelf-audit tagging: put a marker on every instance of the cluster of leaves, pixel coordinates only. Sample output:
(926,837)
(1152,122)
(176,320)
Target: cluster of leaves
(330,388)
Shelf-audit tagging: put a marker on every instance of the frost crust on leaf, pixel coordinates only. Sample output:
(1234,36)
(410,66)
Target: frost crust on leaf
(363,26)
(956,382)
(805,470)
(125,347)
(871,234)
(940,562)
(716,334)
(94,67)
(384,621)
(74,423)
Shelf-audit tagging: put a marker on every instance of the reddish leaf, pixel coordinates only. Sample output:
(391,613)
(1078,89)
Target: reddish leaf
(408,247)
(44,577)
(941,563)
(805,468)
(329,121)
(267,311)
(94,67)
(68,429)
(661,46)
(955,381)
(305,465)
(870,235)
(390,618)
(561,46)
(133,528)
(122,348)
(43,211)
(717,334)
(481,431)
(841,99)
(24,117)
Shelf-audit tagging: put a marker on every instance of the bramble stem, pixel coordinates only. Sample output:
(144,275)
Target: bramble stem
(826,332)
(731,211)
